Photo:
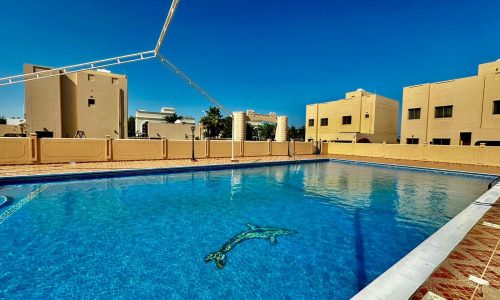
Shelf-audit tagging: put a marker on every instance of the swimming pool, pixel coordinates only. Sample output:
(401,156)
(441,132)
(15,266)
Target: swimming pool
(147,236)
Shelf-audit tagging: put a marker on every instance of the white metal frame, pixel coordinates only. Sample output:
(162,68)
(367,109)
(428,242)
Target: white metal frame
(119,60)
(78,68)
(200,90)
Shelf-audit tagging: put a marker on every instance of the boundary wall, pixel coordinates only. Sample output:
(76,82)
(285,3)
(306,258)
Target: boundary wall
(32,150)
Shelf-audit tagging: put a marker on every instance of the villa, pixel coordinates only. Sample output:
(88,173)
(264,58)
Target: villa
(88,103)
(464,111)
(360,117)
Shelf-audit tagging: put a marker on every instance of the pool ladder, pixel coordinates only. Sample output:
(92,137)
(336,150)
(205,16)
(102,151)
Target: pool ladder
(295,157)
(493,182)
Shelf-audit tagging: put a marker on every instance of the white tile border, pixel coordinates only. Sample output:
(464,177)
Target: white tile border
(403,279)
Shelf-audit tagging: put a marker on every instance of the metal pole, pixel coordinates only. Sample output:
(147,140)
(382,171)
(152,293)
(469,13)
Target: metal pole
(232,138)
(192,143)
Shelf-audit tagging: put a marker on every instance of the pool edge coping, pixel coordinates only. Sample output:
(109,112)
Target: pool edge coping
(96,174)
(406,276)
(397,166)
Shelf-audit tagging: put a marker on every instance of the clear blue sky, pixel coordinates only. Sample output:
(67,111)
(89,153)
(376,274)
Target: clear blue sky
(261,54)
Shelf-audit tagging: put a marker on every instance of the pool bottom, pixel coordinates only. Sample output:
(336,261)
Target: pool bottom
(149,235)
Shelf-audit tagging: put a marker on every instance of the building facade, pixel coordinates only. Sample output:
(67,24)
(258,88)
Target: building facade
(464,111)
(176,131)
(91,103)
(143,118)
(360,117)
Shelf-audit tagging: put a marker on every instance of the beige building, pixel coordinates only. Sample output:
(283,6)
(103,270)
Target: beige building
(143,118)
(9,130)
(464,111)
(92,102)
(176,131)
(360,117)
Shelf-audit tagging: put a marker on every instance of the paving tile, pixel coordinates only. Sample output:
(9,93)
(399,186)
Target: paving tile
(18,170)
(478,253)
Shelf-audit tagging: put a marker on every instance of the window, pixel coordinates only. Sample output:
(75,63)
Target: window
(311,122)
(413,113)
(465,138)
(114,80)
(412,141)
(443,111)
(496,107)
(91,102)
(346,120)
(367,115)
(324,122)
(91,77)
(440,141)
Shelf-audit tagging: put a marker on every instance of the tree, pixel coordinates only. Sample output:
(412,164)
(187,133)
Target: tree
(250,133)
(292,133)
(131,126)
(227,128)
(267,130)
(172,118)
(297,134)
(3,120)
(213,122)
(23,127)
(301,133)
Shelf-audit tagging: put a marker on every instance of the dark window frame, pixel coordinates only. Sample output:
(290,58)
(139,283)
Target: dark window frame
(414,113)
(496,107)
(412,141)
(445,111)
(324,122)
(346,120)
(441,141)
(311,122)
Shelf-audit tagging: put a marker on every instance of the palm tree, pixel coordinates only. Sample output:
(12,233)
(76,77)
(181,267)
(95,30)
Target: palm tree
(292,133)
(172,118)
(213,122)
(267,130)
(251,132)
(227,129)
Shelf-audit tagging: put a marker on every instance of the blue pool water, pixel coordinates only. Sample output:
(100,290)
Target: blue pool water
(147,236)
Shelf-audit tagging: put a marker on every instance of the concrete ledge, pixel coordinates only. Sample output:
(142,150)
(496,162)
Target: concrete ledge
(403,279)
(8,180)
(416,168)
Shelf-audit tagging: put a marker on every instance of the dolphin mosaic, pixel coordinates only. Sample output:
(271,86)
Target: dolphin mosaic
(253,232)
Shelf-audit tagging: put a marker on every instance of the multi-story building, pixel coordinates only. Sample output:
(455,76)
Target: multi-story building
(90,103)
(464,111)
(143,118)
(360,117)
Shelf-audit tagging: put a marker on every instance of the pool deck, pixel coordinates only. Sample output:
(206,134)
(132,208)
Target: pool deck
(62,168)
(26,170)
(478,254)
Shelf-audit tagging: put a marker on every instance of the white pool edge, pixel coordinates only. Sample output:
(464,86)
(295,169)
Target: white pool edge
(403,279)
